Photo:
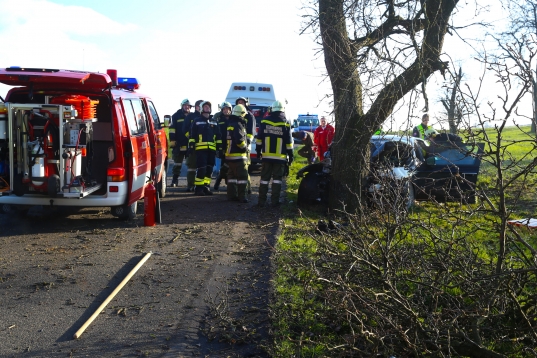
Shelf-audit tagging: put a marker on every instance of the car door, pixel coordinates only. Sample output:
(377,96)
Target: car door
(139,165)
(157,140)
(449,174)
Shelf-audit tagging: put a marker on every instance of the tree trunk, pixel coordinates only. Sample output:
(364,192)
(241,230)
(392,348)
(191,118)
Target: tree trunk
(350,162)
(349,168)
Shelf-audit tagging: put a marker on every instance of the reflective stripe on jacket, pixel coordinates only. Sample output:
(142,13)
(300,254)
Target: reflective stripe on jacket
(274,138)
(236,139)
(205,135)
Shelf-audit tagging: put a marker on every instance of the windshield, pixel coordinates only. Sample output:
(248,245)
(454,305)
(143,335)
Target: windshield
(308,122)
(463,155)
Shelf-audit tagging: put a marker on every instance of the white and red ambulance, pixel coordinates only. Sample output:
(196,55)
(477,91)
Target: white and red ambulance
(74,138)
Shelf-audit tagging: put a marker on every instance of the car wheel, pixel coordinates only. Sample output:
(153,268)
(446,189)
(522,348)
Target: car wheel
(125,212)
(161,186)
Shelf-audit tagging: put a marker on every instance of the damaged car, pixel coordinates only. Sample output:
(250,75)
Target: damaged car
(404,170)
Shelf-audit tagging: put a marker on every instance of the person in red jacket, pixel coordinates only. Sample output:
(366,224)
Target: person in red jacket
(324,134)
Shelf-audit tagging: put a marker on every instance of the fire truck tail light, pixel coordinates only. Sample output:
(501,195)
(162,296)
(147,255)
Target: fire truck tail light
(113,189)
(116,174)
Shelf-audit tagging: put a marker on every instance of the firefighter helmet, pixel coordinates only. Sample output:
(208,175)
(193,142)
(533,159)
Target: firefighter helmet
(185,101)
(277,106)
(430,133)
(205,103)
(225,104)
(198,102)
(239,110)
(244,99)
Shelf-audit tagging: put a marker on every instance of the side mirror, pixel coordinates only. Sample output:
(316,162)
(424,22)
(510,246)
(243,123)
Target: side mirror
(167,120)
(430,161)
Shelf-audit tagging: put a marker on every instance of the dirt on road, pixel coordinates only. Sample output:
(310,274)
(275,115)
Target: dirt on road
(204,292)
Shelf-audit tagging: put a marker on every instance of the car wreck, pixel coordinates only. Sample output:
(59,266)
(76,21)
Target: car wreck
(404,170)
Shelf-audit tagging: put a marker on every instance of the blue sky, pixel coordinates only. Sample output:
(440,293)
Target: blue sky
(195,49)
(178,49)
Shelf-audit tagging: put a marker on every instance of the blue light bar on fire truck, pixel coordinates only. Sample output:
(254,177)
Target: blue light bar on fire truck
(128,83)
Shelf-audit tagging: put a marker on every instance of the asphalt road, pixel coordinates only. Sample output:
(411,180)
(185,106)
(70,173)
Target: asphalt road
(210,261)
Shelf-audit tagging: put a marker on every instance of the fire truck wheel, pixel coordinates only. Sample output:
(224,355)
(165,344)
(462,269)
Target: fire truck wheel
(161,186)
(125,212)
(53,185)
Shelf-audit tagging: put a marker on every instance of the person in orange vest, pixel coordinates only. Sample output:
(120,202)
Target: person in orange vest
(324,134)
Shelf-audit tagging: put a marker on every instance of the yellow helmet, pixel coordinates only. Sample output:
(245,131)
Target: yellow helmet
(278,106)
(239,110)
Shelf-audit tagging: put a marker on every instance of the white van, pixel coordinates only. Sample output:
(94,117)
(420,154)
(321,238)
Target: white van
(260,97)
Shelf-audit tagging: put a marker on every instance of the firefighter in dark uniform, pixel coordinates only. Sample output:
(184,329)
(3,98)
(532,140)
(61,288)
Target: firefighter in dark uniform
(178,140)
(222,118)
(205,141)
(250,130)
(191,157)
(236,155)
(274,146)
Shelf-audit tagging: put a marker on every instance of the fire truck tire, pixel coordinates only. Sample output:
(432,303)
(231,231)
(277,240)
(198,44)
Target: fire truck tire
(18,187)
(125,212)
(53,185)
(161,186)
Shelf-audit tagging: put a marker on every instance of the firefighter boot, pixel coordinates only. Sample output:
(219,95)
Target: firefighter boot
(276,190)
(232,190)
(263,191)
(198,190)
(243,197)
(175,180)
(207,190)
(217,182)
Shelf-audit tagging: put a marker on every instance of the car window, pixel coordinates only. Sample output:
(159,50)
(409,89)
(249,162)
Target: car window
(135,116)
(459,156)
(154,114)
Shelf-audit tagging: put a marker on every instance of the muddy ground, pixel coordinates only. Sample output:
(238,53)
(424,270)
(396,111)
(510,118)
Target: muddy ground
(204,292)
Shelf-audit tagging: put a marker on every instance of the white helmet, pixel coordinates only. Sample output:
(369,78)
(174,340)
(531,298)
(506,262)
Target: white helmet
(277,106)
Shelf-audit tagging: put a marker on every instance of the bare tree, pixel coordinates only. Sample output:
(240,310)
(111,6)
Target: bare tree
(375,53)
(452,103)
(523,17)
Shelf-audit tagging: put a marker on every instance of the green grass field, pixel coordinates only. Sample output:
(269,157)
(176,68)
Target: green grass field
(436,246)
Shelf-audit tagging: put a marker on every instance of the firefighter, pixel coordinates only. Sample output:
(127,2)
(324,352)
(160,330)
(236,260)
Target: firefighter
(236,155)
(274,146)
(324,134)
(250,130)
(222,118)
(191,157)
(178,140)
(204,141)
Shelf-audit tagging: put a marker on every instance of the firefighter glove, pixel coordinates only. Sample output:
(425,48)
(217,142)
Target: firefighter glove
(172,144)
(290,157)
